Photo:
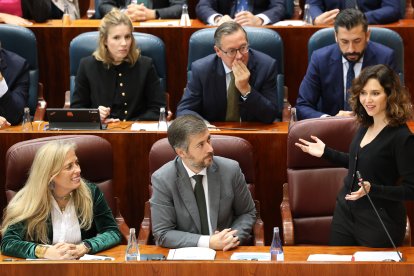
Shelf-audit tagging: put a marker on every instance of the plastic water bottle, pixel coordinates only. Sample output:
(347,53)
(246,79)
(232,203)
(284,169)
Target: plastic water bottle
(27,120)
(162,122)
(132,249)
(307,16)
(185,18)
(66,21)
(276,249)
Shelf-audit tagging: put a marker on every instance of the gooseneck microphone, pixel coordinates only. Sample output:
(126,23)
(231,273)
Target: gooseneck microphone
(360,179)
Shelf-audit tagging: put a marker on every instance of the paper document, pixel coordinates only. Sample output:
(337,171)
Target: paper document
(88,257)
(376,256)
(290,23)
(172,23)
(146,127)
(250,256)
(192,253)
(329,258)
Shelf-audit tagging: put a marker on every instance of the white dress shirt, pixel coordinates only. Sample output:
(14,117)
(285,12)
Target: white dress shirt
(65,224)
(204,240)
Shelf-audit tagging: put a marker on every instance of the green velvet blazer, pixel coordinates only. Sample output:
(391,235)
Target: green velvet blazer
(103,234)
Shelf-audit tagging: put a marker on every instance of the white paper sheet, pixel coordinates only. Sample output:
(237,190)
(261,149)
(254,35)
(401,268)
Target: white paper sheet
(329,258)
(250,256)
(376,256)
(191,253)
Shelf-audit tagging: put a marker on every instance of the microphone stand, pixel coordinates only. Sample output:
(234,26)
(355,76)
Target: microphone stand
(358,174)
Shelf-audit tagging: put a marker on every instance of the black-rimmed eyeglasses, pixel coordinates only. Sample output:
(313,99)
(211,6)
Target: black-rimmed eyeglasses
(233,52)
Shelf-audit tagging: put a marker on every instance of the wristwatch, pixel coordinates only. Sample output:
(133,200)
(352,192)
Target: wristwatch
(87,246)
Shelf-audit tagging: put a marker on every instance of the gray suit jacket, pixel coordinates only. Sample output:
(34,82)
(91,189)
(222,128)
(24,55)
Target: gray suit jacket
(174,212)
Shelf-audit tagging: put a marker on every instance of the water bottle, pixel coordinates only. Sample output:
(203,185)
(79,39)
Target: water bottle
(132,249)
(185,18)
(66,16)
(307,16)
(27,120)
(162,122)
(276,250)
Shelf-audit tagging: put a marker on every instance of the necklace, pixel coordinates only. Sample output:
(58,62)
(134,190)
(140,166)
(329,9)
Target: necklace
(65,197)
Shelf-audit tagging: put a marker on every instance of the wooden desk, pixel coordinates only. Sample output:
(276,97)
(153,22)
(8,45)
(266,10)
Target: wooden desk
(295,264)
(53,44)
(131,177)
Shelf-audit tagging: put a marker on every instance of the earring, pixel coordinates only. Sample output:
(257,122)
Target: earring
(51,185)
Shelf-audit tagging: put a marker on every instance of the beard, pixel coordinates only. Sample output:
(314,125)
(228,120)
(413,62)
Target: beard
(353,57)
(204,163)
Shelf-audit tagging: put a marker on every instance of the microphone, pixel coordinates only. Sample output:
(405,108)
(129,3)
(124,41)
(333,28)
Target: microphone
(358,174)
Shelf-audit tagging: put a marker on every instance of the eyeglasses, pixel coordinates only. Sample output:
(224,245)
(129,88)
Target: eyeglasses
(233,52)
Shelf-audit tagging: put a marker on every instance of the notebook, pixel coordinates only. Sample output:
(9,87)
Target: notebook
(73,119)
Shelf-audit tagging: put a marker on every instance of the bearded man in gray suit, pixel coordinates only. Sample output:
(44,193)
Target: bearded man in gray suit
(178,218)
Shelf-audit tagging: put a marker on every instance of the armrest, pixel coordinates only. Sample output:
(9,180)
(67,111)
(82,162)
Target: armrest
(123,227)
(287,221)
(41,104)
(258,228)
(145,228)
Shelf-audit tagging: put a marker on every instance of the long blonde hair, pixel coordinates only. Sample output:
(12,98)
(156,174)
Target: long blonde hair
(111,19)
(32,204)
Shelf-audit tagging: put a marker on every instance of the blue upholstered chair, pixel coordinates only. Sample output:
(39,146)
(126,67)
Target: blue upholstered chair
(151,46)
(22,41)
(384,36)
(201,44)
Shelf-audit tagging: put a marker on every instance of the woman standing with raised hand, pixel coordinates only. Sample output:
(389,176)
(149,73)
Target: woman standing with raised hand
(382,150)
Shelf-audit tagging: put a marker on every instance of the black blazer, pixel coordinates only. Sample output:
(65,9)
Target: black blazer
(97,85)
(165,8)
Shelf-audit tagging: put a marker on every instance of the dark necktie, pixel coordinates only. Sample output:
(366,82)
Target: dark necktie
(201,203)
(233,95)
(350,75)
(350,4)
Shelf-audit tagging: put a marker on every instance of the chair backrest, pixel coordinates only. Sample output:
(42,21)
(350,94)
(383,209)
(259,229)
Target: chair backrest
(384,36)
(307,176)
(22,41)
(94,154)
(85,44)
(231,147)
(268,41)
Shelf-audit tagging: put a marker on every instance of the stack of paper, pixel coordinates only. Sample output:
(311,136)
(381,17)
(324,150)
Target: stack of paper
(360,256)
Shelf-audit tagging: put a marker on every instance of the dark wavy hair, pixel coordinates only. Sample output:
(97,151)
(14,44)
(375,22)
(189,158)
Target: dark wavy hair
(399,108)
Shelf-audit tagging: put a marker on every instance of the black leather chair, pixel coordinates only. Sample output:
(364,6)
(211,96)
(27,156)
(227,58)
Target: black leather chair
(22,41)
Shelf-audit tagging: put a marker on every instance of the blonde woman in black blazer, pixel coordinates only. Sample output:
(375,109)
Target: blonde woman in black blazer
(116,79)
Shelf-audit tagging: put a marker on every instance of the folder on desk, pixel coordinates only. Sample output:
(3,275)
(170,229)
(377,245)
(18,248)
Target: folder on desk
(73,118)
